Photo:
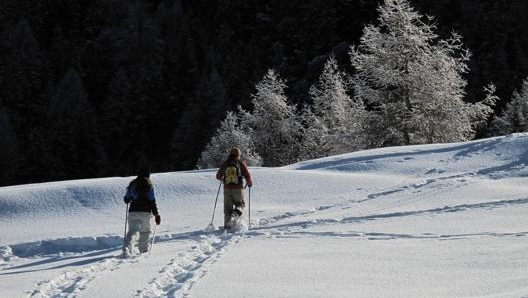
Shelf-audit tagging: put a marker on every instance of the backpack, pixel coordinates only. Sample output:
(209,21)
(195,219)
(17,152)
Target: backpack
(232,173)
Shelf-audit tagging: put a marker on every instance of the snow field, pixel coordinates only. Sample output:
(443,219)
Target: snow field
(422,221)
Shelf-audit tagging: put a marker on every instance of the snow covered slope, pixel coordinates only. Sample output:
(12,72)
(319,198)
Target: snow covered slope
(445,220)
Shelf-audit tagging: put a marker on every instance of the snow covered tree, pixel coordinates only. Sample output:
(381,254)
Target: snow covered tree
(314,135)
(229,135)
(341,117)
(515,115)
(275,125)
(412,82)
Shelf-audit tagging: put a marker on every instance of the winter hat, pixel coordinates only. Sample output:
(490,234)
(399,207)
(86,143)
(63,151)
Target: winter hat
(144,172)
(235,152)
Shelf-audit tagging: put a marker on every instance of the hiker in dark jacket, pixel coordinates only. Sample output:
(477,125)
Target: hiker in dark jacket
(140,196)
(232,172)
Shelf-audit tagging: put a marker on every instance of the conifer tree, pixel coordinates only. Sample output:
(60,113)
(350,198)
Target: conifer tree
(73,136)
(314,135)
(229,135)
(24,95)
(341,117)
(515,116)
(8,150)
(122,131)
(275,125)
(411,81)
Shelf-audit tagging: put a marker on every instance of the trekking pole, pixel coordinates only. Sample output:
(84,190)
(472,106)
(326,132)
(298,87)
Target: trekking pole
(152,240)
(216,200)
(126,221)
(249,209)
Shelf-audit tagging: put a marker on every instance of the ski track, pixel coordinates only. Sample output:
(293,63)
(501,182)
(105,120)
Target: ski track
(180,273)
(177,276)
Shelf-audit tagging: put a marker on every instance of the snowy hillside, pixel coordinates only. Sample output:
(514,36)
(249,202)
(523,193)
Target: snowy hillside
(445,220)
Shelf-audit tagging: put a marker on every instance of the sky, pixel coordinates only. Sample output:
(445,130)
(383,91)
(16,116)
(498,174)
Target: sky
(441,220)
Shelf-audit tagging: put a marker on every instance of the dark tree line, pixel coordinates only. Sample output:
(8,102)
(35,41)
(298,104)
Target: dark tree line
(91,88)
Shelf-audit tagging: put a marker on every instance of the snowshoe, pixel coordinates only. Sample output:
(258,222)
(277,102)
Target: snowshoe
(126,254)
(238,224)
(237,212)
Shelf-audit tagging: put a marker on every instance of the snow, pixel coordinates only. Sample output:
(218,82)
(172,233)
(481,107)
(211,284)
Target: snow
(442,220)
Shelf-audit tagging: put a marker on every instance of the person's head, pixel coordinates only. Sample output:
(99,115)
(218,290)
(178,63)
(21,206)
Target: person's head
(144,172)
(234,153)
(142,182)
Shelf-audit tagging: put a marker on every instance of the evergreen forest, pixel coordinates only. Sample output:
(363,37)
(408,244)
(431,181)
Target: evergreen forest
(93,88)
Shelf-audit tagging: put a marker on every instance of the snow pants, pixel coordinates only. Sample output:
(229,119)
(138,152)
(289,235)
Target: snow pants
(232,197)
(138,222)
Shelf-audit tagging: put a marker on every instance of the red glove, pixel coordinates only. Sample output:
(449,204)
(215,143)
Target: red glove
(157,218)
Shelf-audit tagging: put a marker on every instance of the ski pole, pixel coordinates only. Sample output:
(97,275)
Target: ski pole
(126,221)
(152,240)
(216,200)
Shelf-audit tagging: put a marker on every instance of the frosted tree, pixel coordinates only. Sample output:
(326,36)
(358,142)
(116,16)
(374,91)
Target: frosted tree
(515,115)
(411,81)
(314,135)
(275,125)
(230,134)
(341,117)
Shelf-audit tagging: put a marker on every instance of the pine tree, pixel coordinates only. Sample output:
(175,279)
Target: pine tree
(314,135)
(24,95)
(8,150)
(411,81)
(341,117)
(515,116)
(275,126)
(73,137)
(229,135)
(122,130)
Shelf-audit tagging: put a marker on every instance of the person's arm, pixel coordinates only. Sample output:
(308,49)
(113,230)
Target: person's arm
(152,201)
(220,173)
(247,175)
(128,195)
(153,206)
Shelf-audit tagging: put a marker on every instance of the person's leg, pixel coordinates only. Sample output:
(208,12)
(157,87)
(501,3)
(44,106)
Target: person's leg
(238,200)
(134,223)
(228,207)
(144,232)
